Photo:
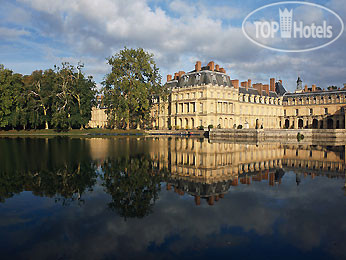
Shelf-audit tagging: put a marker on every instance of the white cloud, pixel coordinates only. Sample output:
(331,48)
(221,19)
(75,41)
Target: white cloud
(10,34)
(97,29)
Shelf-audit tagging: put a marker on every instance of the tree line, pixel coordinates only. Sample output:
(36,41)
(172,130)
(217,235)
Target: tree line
(63,97)
(59,98)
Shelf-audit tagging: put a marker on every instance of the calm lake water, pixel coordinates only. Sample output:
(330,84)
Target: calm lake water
(170,198)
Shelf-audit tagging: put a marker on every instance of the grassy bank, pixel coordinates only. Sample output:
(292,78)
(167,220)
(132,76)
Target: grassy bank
(73,132)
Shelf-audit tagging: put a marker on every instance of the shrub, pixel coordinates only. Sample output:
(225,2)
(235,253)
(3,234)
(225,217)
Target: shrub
(169,127)
(156,128)
(201,127)
(210,127)
(177,127)
(219,126)
(240,127)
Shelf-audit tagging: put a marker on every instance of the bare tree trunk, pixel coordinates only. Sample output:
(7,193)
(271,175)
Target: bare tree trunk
(128,122)
(45,114)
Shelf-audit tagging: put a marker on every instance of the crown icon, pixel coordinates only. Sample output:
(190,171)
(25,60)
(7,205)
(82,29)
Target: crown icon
(285,23)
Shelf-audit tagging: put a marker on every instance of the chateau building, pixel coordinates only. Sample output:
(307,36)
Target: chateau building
(207,96)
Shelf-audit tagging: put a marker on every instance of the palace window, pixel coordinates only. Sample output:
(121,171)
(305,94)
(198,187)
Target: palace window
(311,111)
(187,95)
(200,94)
(297,112)
(326,111)
(198,76)
(201,107)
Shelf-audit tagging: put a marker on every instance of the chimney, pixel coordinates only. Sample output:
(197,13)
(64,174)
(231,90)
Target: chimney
(235,83)
(181,73)
(266,88)
(306,88)
(176,76)
(249,83)
(243,84)
(198,66)
(222,70)
(217,67)
(169,77)
(259,88)
(211,66)
(313,88)
(280,81)
(272,84)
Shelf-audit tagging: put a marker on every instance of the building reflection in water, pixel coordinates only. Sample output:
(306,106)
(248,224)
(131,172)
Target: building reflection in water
(207,170)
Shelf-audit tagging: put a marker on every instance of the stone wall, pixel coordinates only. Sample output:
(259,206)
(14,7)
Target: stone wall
(310,135)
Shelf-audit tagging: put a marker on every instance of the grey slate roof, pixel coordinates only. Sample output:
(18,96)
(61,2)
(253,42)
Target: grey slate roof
(205,76)
(279,89)
(314,94)
(253,91)
(202,77)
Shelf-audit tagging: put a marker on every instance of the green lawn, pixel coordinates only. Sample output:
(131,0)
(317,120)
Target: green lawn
(70,132)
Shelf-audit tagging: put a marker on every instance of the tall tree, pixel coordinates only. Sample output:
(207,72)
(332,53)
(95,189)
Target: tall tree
(40,89)
(74,97)
(130,86)
(10,88)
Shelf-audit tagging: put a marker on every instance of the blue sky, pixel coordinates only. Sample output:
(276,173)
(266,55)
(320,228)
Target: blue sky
(38,34)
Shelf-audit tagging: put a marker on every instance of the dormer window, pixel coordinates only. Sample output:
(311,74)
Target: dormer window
(186,78)
(213,77)
(198,76)
(225,80)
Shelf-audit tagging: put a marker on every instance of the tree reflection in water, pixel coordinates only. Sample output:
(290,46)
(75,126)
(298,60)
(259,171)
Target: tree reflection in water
(133,183)
(47,172)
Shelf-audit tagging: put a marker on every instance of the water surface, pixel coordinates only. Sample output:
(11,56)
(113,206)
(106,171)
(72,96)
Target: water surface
(121,198)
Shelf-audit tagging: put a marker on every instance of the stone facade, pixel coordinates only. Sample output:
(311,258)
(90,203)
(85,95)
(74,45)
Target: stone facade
(98,115)
(314,110)
(207,96)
